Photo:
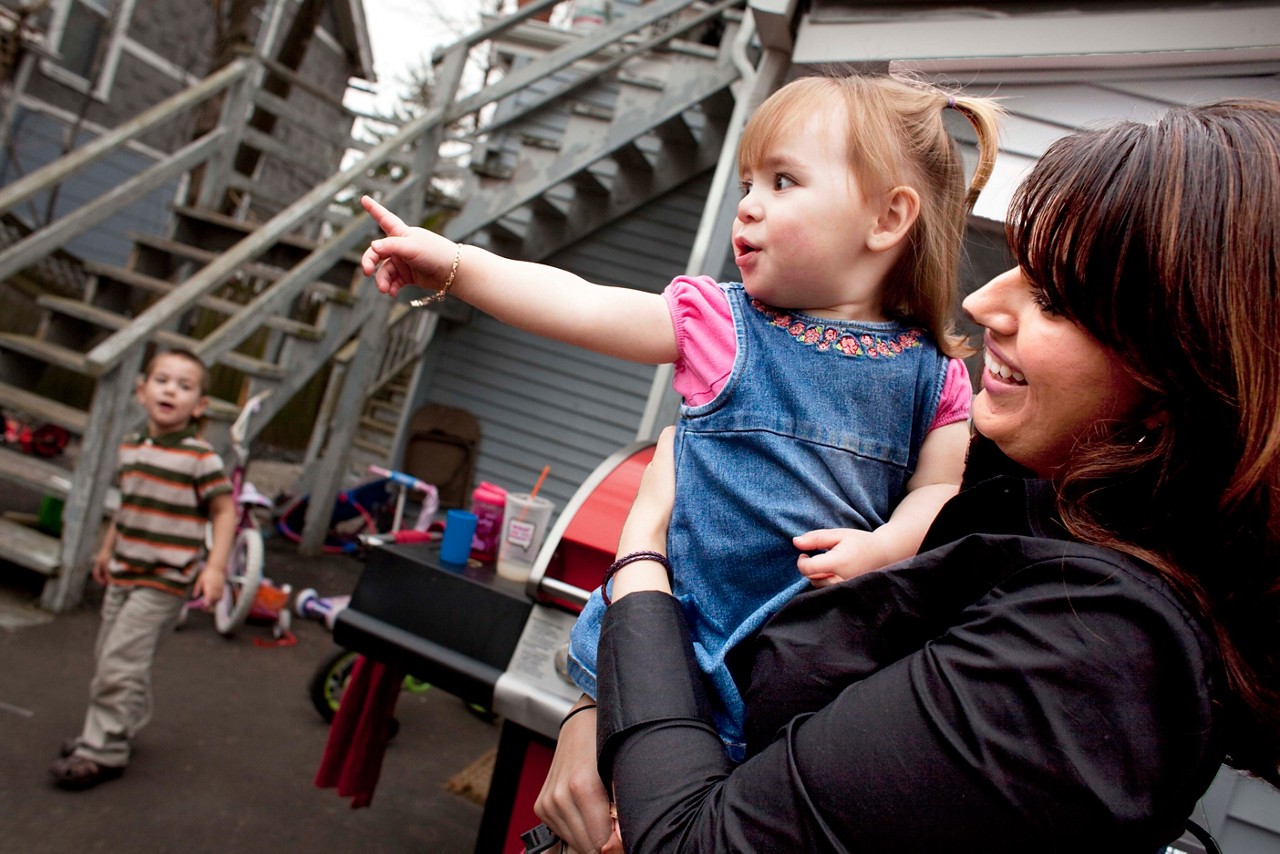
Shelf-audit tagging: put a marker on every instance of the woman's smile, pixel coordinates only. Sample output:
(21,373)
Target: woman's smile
(1000,371)
(1046,383)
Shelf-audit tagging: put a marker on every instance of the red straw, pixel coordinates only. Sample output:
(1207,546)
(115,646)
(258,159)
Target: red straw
(541,478)
(534,492)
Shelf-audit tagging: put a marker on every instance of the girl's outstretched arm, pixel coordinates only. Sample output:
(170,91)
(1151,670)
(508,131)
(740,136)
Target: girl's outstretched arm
(544,300)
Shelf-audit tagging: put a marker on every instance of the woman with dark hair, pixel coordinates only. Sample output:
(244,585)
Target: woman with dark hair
(1085,638)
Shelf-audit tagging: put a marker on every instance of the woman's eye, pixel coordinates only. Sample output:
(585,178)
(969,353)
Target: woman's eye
(1042,300)
(782,182)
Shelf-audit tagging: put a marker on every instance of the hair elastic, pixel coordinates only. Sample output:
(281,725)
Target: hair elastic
(951,102)
(573,712)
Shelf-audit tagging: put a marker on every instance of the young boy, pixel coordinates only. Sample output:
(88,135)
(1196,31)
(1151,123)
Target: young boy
(171,485)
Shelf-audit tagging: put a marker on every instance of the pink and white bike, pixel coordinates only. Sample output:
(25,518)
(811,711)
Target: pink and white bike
(245,582)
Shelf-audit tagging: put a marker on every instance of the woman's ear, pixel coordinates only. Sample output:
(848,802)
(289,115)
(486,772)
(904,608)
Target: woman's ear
(899,209)
(1155,422)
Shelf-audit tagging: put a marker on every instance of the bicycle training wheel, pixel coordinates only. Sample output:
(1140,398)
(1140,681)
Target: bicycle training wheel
(330,680)
(244,574)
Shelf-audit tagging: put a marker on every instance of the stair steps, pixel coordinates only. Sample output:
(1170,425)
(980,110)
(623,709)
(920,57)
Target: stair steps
(35,473)
(628,130)
(28,547)
(44,351)
(41,409)
(42,475)
(112,321)
(664,127)
(173,249)
(217,232)
(151,284)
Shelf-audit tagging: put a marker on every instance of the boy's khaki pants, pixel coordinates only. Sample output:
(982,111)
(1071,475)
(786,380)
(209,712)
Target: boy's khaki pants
(133,621)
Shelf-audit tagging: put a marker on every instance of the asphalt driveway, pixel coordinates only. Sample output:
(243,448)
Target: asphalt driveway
(228,760)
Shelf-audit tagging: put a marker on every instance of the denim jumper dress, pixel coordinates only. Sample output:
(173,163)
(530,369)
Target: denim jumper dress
(818,426)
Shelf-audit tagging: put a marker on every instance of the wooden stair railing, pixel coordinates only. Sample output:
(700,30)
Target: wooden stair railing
(354,314)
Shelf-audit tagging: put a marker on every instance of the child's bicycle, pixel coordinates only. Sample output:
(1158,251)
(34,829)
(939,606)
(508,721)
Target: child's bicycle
(244,564)
(354,523)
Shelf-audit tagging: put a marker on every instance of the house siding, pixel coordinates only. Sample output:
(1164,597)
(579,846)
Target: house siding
(37,141)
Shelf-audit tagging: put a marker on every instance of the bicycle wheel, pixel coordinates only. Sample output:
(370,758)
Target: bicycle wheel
(244,574)
(329,681)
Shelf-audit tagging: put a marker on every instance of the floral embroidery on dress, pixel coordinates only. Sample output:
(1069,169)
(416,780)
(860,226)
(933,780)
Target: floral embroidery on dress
(836,339)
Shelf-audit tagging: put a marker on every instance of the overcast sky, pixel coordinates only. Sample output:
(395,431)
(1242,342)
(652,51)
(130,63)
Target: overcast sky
(404,32)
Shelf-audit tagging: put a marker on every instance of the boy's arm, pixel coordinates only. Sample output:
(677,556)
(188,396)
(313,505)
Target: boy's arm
(935,481)
(213,578)
(616,321)
(102,560)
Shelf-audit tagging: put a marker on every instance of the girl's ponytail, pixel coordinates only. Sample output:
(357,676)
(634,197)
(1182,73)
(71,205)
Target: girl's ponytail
(983,115)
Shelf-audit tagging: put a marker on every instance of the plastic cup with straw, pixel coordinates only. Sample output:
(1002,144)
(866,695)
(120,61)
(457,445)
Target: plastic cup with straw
(523,535)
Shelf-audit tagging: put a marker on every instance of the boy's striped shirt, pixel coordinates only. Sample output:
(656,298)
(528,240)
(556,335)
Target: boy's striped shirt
(165,483)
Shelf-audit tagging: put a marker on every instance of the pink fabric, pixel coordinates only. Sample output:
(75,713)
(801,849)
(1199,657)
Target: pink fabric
(705,338)
(707,345)
(358,737)
(957,394)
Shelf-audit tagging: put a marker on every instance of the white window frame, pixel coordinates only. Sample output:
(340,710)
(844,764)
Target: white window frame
(110,60)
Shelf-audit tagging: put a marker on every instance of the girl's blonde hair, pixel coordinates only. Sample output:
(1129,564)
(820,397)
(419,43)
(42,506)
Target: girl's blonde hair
(896,137)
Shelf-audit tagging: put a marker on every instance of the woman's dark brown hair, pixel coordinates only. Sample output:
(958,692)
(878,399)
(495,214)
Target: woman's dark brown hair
(1163,242)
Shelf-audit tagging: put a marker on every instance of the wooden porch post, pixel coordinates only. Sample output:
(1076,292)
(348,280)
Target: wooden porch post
(82,514)
(353,396)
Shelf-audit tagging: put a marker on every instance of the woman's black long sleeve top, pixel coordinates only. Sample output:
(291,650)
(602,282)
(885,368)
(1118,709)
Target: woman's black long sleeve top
(1012,690)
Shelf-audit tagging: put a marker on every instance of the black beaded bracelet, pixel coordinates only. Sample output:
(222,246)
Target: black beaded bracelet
(573,712)
(656,557)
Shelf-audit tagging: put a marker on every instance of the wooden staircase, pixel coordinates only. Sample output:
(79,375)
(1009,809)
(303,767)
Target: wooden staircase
(597,125)
(592,142)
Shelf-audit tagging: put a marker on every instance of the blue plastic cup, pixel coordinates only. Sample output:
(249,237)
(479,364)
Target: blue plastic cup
(459,529)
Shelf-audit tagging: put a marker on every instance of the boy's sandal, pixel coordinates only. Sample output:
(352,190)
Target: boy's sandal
(68,747)
(79,772)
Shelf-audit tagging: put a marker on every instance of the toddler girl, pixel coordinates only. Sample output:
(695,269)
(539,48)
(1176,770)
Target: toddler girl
(825,406)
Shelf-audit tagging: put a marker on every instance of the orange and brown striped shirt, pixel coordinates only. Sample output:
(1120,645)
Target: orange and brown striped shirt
(166,483)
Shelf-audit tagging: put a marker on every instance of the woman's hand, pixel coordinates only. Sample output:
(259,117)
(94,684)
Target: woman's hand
(573,801)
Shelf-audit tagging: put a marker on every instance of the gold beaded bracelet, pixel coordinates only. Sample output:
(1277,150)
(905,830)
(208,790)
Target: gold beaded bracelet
(448,283)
